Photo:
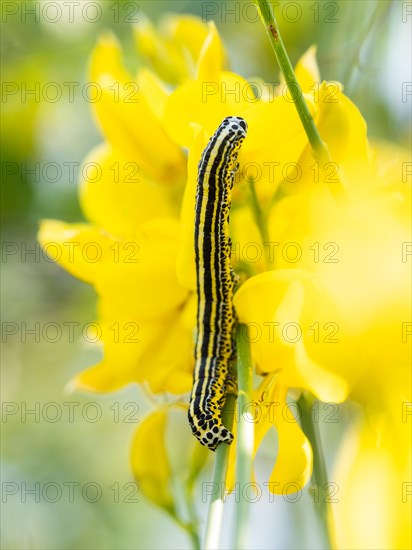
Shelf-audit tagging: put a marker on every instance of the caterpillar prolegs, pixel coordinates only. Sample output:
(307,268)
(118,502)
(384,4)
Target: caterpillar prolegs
(214,347)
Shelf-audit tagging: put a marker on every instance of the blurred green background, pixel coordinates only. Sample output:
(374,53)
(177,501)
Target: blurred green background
(366,45)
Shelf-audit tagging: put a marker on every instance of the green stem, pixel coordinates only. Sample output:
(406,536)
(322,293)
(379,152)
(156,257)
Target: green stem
(320,150)
(215,513)
(320,487)
(194,538)
(244,440)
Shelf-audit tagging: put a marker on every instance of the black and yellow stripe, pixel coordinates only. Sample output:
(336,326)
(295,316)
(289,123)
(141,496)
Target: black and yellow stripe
(215,281)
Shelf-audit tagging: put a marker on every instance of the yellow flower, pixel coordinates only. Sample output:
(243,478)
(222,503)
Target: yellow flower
(326,297)
(126,116)
(130,192)
(174,49)
(140,303)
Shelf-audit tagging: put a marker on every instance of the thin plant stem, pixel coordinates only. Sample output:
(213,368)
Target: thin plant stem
(194,537)
(245,437)
(215,513)
(320,485)
(319,148)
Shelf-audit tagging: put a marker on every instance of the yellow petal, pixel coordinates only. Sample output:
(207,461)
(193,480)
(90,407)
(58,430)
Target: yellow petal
(307,70)
(212,57)
(190,33)
(135,275)
(171,362)
(154,91)
(344,131)
(301,226)
(338,111)
(126,119)
(140,275)
(172,49)
(293,468)
(270,304)
(319,380)
(145,38)
(158,51)
(275,141)
(116,195)
(132,354)
(106,63)
(79,248)
(205,104)
(150,462)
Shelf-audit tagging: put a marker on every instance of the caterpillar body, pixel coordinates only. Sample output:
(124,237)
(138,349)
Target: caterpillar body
(214,348)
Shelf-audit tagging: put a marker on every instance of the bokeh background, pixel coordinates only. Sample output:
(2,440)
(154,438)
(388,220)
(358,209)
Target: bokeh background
(72,452)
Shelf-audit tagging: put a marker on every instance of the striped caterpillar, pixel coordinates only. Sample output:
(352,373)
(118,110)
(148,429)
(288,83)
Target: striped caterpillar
(214,349)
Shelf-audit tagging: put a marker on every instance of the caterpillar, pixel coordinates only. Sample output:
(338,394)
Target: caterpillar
(214,347)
